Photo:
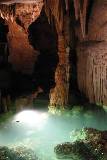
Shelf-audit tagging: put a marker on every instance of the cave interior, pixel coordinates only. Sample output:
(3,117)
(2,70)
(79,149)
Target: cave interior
(53,79)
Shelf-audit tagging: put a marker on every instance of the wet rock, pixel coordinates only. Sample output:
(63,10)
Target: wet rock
(74,151)
(89,144)
(19,153)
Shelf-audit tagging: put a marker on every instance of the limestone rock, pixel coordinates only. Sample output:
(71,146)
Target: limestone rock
(89,144)
(92,55)
(19,16)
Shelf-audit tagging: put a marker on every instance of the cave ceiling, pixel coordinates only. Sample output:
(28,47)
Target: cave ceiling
(81,8)
(19,1)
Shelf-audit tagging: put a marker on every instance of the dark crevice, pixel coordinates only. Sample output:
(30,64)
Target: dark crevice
(44,39)
(18,21)
(90,5)
(3,42)
(73,54)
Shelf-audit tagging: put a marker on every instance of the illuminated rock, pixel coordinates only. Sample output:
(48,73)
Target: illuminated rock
(88,144)
(19,16)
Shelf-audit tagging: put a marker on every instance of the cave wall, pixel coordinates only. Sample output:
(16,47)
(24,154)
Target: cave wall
(92,55)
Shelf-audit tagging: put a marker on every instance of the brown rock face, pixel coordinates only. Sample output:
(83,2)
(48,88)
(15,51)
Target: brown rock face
(19,17)
(22,55)
(92,56)
(92,68)
(98,22)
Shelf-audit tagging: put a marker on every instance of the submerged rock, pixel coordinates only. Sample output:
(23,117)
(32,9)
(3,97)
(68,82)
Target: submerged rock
(19,153)
(89,144)
(74,151)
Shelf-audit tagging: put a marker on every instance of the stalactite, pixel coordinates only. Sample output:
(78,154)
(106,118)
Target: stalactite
(83,17)
(76,6)
(67,4)
(81,12)
(56,9)
(7,10)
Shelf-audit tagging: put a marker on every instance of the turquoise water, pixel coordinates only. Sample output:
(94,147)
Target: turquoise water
(42,131)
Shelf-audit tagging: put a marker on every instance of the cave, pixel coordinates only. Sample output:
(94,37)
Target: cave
(53,80)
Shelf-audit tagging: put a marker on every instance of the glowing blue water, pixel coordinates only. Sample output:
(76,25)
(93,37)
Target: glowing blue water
(55,130)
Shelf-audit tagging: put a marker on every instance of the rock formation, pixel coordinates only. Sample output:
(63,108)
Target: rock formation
(59,94)
(18,17)
(90,32)
(90,144)
(91,55)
